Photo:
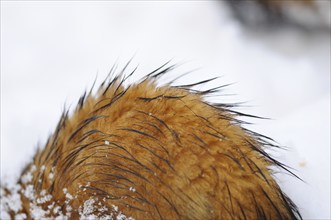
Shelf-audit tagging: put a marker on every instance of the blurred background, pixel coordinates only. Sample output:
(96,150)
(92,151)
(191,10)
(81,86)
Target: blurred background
(276,54)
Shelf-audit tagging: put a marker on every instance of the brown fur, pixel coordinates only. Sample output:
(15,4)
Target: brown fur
(304,15)
(157,153)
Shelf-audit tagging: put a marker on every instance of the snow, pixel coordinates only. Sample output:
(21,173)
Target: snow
(19,217)
(88,207)
(29,192)
(69,196)
(42,168)
(50,176)
(11,202)
(37,212)
(26,177)
(45,197)
(48,60)
(132,189)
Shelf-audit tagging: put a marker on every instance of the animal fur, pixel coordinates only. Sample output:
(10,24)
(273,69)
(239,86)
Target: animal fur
(305,15)
(148,152)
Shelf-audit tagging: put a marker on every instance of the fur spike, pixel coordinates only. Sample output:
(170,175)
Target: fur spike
(152,152)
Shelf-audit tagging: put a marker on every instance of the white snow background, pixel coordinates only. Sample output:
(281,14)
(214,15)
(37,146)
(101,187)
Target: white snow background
(51,51)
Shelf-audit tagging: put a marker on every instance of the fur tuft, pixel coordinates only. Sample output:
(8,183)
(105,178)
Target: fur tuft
(152,152)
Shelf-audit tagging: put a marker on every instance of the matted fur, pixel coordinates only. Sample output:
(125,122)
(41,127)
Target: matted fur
(153,152)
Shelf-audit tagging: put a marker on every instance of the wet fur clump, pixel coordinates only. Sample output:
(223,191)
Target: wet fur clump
(150,152)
